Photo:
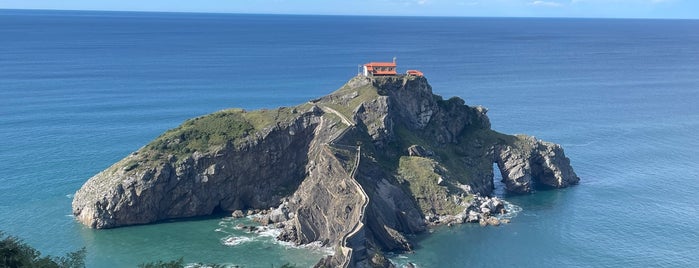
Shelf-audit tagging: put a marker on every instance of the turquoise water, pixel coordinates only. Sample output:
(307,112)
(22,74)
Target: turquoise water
(81,90)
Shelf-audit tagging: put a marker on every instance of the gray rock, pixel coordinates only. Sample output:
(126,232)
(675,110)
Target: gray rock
(493,221)
(308,157)
(473,216)
(417,150)
(278,215)
(530,161)
(238,214)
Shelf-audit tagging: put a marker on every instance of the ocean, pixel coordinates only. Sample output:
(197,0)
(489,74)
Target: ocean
(81,90)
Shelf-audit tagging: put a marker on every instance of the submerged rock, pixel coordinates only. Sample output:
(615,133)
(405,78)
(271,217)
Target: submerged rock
(358,169)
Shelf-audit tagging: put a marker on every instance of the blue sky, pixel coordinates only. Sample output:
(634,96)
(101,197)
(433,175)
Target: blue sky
(471,8)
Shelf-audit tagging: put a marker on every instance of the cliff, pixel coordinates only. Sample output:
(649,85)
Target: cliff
(358,169)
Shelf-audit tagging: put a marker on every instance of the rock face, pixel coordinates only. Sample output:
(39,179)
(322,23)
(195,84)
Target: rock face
(358,169)
(534,162)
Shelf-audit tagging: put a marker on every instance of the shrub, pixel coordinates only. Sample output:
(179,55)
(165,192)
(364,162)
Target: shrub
(15,253)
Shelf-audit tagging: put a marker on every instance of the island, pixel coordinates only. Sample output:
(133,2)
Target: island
(358,170)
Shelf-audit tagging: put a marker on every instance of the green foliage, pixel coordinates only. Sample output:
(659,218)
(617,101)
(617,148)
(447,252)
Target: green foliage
(201,133)
(15,253)
(264,118)
(217,129)
(179,263)
(162,264)
(345,107)
(422,177)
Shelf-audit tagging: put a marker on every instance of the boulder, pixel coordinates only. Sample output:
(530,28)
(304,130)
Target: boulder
(278,215)
(473,216)
(238,214)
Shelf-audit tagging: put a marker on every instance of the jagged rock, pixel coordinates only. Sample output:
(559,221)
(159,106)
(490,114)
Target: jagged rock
(417,150)
(238,214)
(263,219)
(473,216)
(530,161)
(493,221)
(314,169)
(279,214)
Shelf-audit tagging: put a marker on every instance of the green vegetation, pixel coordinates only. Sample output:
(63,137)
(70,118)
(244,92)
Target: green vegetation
(200,133)
(180,264)
(161,264)
(346,107)
(264,118)
(15,253)
(422,176)
(210,131)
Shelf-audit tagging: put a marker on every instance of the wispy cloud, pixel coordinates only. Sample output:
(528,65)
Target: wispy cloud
(545,3)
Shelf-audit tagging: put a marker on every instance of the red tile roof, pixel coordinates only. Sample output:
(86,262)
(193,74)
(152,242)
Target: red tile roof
(415,72)
(384,72)
(381,64)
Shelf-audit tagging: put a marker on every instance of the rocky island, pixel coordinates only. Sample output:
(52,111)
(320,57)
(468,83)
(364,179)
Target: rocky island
(358,170)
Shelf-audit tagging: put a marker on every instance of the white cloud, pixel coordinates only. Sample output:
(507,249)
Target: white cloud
(545,3)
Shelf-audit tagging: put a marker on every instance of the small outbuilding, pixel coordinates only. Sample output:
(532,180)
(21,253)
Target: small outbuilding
(414,73)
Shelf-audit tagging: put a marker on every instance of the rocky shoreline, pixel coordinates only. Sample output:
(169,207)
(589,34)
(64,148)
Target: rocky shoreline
(483,210)
(360,170)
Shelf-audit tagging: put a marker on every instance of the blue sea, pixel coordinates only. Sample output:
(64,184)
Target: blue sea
(81,90)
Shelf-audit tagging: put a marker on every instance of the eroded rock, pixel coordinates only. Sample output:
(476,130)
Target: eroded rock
(325,176)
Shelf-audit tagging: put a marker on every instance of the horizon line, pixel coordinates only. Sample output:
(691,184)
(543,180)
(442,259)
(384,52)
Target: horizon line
(340,15)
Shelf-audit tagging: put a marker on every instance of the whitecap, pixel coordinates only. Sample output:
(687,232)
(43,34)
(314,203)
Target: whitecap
(235,240)
(579,144)
(512,210)
(70,196)
(265,231)
(314,246)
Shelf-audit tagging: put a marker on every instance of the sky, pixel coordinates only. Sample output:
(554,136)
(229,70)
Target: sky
(673,9)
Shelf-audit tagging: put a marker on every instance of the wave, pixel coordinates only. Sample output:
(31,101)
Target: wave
(264,234)
(579,144)
(512,210)
(235,240)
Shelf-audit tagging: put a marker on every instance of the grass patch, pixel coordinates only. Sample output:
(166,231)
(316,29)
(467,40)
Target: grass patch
(261,119)
(219,128)
(201,133)
(422,178)
(345,101)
